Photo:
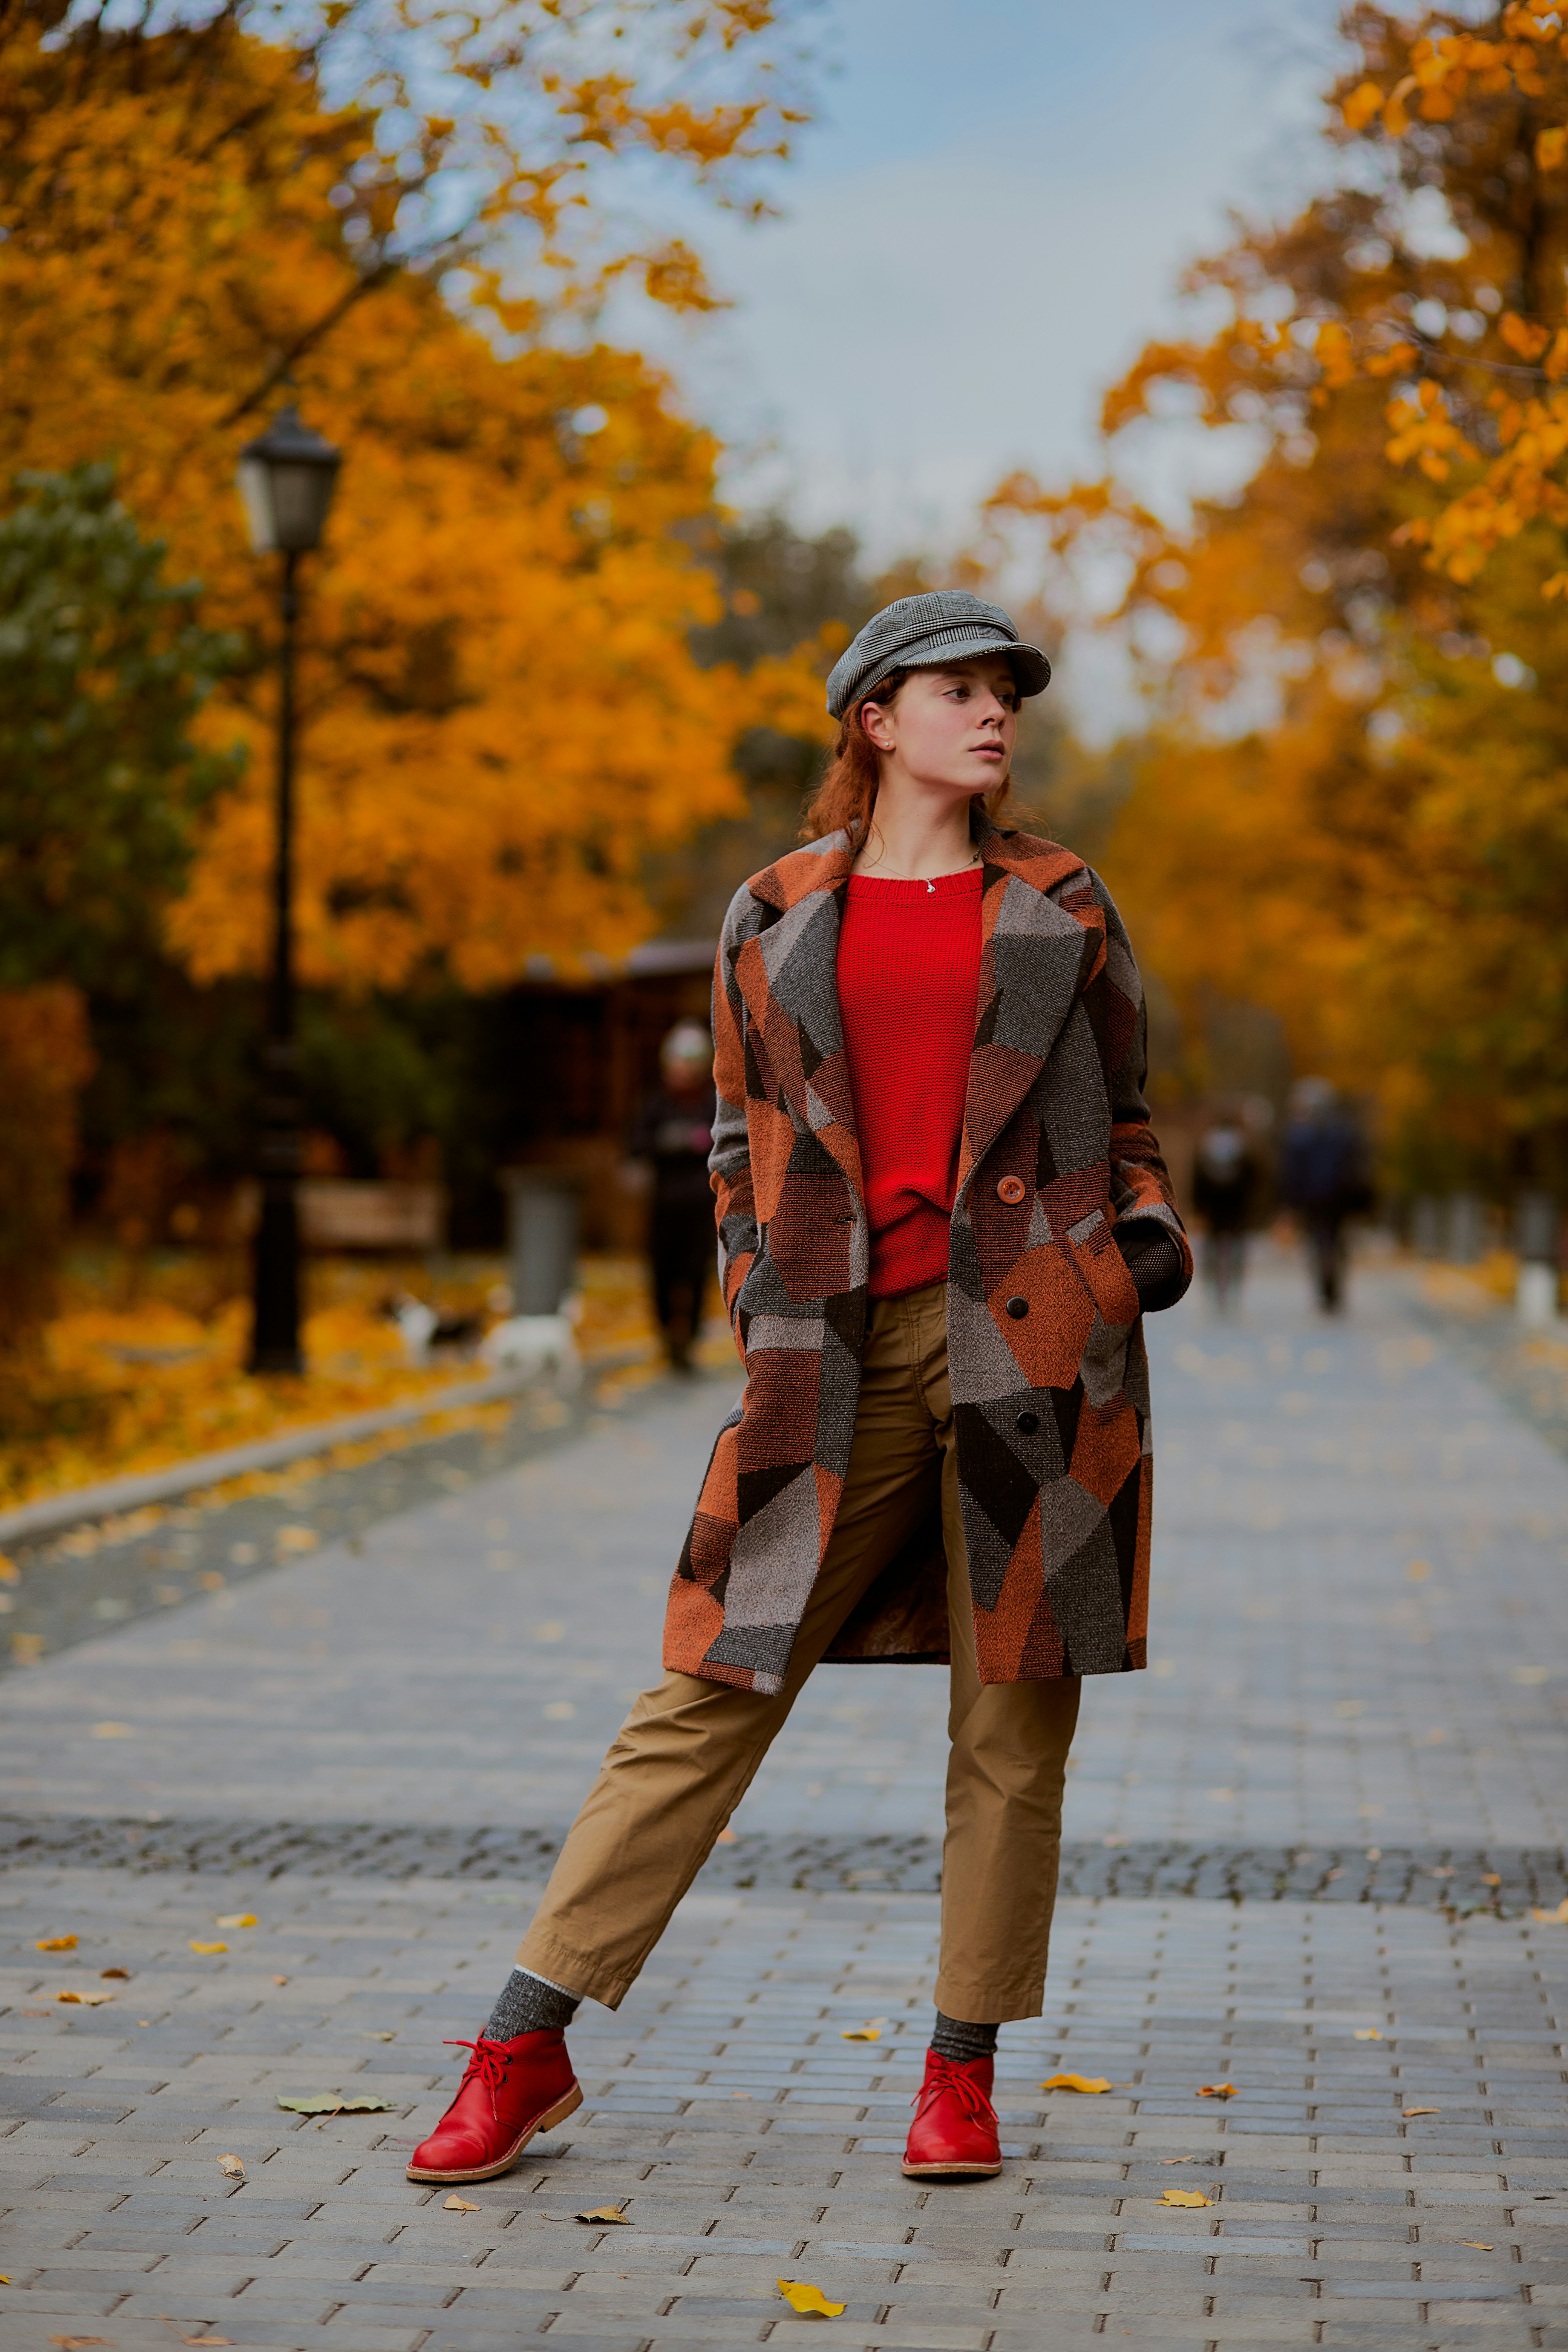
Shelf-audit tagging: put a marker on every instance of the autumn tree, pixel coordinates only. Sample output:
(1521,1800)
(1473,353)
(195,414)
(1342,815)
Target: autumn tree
(1350,805)
(103,669)
(501,712)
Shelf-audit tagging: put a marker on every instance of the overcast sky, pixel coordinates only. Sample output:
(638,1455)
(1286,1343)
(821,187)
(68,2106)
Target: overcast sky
(982,227)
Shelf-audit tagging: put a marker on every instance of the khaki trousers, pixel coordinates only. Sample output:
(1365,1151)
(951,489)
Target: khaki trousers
(689,1750)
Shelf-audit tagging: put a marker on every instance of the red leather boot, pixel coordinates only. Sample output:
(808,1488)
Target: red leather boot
(511,2090)
(955,2129)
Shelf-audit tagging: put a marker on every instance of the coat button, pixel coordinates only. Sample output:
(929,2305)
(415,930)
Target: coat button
(1028,1423)
(1011,1189)
(1017,1308)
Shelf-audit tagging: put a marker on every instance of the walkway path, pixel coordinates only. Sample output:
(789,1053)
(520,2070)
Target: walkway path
(1359,1646)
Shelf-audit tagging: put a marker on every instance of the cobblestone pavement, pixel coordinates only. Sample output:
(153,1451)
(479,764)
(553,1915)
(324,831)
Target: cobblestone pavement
(750,2142)
(1359,1651)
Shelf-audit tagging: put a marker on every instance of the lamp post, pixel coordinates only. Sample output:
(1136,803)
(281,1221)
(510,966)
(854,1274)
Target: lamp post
(286,479)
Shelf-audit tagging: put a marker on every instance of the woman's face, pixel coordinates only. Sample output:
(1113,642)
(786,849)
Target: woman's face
(951,726)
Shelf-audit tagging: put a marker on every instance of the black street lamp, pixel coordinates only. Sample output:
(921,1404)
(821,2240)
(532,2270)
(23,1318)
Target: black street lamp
(286,479)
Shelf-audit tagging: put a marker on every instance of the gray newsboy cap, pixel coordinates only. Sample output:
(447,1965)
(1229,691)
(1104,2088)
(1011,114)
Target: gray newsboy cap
(948,624)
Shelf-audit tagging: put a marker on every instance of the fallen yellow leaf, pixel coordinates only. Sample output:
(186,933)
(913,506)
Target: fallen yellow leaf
(209,2339)
(378,2037)
(809,2301)
(116,1972)
(279,1979)
(1076,2083)
(333,2102)
(113,1731)
(233,2165)
(86,2000)
(1367,2034)
(871,2031)
(238,1919)
(1184,2197)
(75,2343)
(207,1948)
(459,2205)
(605,2214)
(1420,2111)
(55,1944)
(1480,2244)
(1216,2091)
(1492,1878)
(1558,1918)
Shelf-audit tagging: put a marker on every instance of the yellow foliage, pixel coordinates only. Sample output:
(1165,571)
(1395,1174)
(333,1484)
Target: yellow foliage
(1353,807)
(1486,91)
(1362,106)
(500,714)
(156,1383)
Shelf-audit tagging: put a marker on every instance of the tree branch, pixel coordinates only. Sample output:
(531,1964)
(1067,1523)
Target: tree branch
(303,343)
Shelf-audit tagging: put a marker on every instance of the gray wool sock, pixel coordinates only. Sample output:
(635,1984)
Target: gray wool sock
(955,2039)
(529,2005)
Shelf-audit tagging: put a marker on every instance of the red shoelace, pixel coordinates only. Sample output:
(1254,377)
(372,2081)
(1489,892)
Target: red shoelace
(489,2062)
(951,2076)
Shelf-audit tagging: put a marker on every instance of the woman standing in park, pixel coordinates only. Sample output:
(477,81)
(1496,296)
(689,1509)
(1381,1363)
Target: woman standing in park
(941,1213)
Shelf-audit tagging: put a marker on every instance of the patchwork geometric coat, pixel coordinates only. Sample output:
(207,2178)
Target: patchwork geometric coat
(1046,1350)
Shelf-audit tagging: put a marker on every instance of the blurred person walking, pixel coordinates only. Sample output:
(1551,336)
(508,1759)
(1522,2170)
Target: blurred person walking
(675,1131)
(1225,1192)
(942,1213)
(1324,1177)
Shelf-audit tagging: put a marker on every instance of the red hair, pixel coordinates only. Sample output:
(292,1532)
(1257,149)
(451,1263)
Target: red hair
(846,799)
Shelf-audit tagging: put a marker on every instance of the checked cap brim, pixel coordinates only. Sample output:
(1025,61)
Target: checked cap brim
(959,641)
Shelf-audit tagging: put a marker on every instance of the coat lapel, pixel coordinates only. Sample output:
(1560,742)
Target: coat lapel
(789,977)
(1033,962)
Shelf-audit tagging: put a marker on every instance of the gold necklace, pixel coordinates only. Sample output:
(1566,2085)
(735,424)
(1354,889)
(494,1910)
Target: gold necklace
(931,887)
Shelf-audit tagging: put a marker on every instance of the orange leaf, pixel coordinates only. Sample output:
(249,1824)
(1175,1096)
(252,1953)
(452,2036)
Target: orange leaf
(1184,2197)
(1480,2244)
(1420,2111)
(55,1944)
(207,1948)
(1522,336)
(85,2000)
(606,2213)
(459,2205)
(1076,2083)
(1216,2091)
(1363,105)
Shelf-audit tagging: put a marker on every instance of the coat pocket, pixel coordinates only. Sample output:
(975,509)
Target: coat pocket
(1104,1269)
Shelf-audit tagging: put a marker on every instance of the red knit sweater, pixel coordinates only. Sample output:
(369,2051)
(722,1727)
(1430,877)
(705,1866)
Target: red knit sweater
(909,974)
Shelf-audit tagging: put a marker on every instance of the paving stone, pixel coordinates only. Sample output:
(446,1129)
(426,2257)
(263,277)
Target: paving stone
(1266,1856)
